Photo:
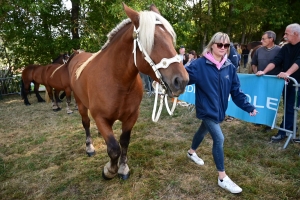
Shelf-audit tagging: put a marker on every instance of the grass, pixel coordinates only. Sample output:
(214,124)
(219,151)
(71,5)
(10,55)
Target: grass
(42,156)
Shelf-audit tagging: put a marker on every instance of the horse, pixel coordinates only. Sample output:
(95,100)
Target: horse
(57,77)
(250,56)
(111,89)
(250,46)
(62,58)
(32,72)
(253,44)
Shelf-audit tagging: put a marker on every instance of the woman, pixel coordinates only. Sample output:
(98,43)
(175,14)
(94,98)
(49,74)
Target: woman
(192,57)
(215,78)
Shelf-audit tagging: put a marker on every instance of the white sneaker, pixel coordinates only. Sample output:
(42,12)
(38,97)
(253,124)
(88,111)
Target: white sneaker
(195,158)
(229,185)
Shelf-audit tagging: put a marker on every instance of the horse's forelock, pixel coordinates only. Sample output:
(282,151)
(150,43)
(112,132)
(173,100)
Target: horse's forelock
(147,27)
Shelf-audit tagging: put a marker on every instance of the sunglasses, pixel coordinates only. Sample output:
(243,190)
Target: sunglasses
(220,45)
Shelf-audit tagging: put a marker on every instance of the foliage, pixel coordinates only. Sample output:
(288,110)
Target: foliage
(36,31)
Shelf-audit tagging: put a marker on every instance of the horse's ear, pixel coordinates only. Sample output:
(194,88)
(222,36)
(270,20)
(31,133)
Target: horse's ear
(154,9)
(132,14)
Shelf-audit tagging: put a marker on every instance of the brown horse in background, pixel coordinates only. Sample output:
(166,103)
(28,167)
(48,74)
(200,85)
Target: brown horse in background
(32,73)
(252,46)
(57,77)
(112,88)
(251,54)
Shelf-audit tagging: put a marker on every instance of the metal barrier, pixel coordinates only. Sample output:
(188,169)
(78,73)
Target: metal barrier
(290,134)
(10,85)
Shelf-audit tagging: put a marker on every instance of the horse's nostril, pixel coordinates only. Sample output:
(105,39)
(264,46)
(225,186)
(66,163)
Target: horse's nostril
(176,83)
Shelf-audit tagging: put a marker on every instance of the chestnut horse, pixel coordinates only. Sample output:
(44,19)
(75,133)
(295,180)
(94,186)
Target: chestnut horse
(111,89)
(32,73)
(57,77)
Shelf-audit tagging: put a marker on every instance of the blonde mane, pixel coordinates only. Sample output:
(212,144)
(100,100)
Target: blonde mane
(147,23)
(81,68)
(147,27)
(56,70)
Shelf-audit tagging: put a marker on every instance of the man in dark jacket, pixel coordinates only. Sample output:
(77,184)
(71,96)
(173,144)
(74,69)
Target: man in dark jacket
(234,56)
(289,58)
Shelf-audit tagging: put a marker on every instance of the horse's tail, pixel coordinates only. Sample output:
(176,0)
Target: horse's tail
(47,99)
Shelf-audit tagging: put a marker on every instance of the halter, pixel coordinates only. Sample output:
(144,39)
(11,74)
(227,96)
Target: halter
(164,63)
(65,60)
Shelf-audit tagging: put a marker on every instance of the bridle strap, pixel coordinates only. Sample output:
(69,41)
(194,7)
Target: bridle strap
(164,63)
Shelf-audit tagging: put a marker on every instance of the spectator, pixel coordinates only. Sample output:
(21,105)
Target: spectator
(186,58)
(264,54)
(234,56)
(181,54)
(146,83)
(192,57)
(215,78)
(289,58)
(245,53)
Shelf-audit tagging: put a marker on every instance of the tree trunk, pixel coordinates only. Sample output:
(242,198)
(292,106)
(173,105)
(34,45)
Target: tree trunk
(206,29)
(230,14)
(75,23)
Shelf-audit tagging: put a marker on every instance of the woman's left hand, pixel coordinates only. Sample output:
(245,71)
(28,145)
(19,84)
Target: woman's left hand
(254,112)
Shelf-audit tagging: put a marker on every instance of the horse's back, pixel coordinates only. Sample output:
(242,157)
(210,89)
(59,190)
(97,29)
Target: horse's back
(28,72)
(57,80)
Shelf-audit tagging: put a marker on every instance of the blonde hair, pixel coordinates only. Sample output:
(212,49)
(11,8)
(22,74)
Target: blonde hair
(218,37)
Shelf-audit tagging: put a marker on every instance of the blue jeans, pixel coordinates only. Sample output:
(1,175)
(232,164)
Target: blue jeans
(289,109)
(215,131)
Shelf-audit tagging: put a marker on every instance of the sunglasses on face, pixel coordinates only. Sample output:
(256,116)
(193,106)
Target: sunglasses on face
(220,45)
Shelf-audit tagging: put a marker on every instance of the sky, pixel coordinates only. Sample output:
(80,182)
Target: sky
(68,4)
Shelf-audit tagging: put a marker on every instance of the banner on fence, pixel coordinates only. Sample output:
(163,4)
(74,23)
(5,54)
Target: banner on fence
(263,92)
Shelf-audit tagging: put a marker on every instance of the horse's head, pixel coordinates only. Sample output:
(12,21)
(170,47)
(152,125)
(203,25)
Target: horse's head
(253,44)
(153,41)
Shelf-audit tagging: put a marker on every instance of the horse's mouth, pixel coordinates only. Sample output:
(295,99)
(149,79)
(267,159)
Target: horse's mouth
(170,92)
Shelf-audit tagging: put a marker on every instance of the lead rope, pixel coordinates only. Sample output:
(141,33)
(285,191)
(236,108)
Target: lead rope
(155,117)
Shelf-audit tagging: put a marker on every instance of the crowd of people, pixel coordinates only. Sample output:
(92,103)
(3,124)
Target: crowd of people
(222,58)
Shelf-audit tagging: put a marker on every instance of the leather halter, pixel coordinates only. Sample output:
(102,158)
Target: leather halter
(164,63)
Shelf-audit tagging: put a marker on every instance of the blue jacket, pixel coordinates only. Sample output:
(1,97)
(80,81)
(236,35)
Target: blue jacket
(213,87)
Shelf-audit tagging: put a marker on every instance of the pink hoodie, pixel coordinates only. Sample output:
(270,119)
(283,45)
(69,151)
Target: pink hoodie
(218,64)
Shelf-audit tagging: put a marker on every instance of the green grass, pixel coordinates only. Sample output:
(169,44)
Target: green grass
(42,156)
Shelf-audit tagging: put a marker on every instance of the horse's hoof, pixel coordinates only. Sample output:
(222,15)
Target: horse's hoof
(27,104)
(90,154)
(57,109)
(124,176)
(105,177)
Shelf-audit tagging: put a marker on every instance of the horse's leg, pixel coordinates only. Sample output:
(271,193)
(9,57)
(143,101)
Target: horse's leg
(104,126)
(124,142)
(50,93)
(68,97)
(57,100)
(62,95)
(24,91)
(90,150)
(37,93)
(56,95)
(76,107)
